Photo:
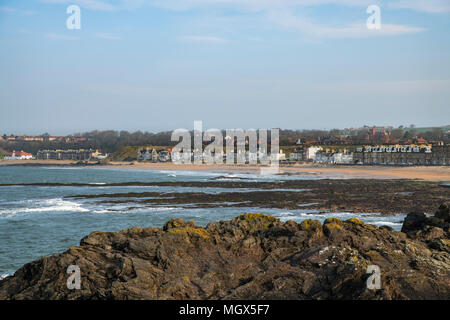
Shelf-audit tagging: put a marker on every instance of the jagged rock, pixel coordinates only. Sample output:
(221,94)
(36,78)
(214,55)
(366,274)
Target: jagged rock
(414,221)
(443,212)
(253,256)
(418,226)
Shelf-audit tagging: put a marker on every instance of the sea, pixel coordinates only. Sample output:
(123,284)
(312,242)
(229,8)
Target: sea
(37,221)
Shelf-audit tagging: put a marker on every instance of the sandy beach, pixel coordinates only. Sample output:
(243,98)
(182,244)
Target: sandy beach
(362,172)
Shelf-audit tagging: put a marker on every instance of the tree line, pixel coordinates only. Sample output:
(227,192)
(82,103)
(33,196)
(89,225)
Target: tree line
(110,141)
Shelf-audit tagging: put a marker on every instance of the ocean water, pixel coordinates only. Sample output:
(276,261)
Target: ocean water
(38,221)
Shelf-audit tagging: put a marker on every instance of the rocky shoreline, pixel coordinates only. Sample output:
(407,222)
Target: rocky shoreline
(388,197)
(253,256)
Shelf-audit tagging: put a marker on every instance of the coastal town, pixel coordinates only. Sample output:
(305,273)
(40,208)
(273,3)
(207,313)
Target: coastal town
(369,146)
(412,154)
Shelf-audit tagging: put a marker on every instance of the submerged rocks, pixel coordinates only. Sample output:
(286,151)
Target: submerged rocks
(253,256)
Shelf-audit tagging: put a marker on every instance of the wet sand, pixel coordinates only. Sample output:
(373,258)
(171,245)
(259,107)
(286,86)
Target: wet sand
(353,172)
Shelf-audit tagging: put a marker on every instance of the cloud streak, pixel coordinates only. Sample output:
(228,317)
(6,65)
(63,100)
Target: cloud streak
(429,6)
(16,11)
(56,36)
(355,30)
(88,4)
(280,13)
(255,5)
(107,36)
(203,39)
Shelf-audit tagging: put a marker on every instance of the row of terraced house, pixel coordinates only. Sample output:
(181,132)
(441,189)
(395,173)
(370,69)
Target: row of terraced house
(404,155)
(79,155)
(438,154)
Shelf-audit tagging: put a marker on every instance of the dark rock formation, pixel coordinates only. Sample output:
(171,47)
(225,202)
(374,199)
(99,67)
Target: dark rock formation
(335,195)
(419,226)
(250,257)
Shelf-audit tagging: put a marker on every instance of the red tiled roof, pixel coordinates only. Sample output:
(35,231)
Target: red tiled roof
(19,153)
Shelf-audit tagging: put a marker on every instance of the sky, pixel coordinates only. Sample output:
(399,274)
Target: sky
(155,65)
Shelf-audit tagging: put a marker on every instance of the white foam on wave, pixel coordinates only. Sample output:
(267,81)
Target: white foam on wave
(101,211)
(387,223)
(47,205)
(284,214)
(3,276)
(127,209)
(395,221)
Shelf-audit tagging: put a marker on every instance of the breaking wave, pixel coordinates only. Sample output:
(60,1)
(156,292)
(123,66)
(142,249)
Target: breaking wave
(47,205)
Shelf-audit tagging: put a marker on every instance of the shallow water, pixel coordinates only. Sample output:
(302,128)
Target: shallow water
(39,221)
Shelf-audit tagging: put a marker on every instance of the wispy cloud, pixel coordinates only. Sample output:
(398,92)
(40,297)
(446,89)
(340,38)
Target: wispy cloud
(256,5)
(248,5)
(355,30)
(55,36)
(203,39)
(429,6)
(107,36)
(281,13)
(101,5)
(24,31)
(16,11)
(88,4)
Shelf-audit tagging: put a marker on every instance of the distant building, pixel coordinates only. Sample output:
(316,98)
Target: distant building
(153,155)
(394,155)
(18,155)
(164,156)
(30,138)
(144,155)
(333,157)
(298,155)
(98,155)
(311,152)
(80,154)
(441,155)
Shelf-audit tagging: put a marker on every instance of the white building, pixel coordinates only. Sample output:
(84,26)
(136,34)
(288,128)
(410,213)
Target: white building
(144,155)
(343,158)
(154,155)
(333,157)
(311,152)
(164,156)
(19,155)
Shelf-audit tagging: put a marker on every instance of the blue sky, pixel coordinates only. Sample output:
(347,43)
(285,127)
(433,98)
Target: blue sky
(155,65)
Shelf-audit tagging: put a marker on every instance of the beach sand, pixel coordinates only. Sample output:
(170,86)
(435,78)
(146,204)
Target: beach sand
(364,172)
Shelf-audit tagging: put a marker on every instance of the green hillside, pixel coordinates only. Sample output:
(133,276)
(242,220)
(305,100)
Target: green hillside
(2,153)
(129,153)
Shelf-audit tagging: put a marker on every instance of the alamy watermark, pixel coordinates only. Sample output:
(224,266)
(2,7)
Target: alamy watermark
(241,147)
(374,280)
(74,280)
(374,20)
(73,22)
